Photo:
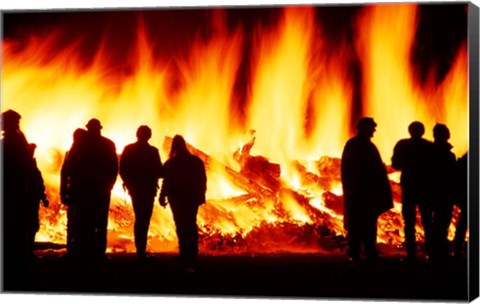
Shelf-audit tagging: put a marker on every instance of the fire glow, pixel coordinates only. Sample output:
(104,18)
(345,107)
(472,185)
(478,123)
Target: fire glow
(272,153)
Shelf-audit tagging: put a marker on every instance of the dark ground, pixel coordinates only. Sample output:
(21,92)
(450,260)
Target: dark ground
(304,276)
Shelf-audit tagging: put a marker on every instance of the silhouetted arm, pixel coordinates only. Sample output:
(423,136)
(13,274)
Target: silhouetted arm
(162,199)
(112,165)
(124,166)
(159,165)
(38,185)
(397,158)
(202,175)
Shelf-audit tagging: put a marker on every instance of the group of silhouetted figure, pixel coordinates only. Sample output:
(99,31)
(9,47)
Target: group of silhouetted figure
(432,179)
(88,174)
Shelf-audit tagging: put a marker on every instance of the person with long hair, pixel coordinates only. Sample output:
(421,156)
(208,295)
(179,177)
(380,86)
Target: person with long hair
(184,187)
(93,170)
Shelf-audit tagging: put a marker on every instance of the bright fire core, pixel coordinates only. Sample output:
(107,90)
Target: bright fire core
(272,152)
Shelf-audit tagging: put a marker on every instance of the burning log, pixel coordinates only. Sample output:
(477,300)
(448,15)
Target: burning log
(210,240)
(310,179)
(263,172)
(391,226)
(215,210)
(250,185)
(248,199)
(333,202)
(329,167)
(328,173)
(258,168)
(319,217)
(239,179)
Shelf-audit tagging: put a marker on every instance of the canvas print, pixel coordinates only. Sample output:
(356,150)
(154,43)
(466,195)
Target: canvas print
(305,150)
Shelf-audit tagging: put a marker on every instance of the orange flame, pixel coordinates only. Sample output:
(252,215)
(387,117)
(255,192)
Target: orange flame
(392,95)
(298,109)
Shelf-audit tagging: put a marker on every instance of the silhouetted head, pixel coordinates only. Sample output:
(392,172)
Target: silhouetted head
(366,126)
(79,134)
(416,129)
(441,132)
(10,121)
(179,146)
(144,133)
(94,126)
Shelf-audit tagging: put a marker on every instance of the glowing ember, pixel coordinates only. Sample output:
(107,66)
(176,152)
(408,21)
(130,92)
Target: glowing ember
(272,153)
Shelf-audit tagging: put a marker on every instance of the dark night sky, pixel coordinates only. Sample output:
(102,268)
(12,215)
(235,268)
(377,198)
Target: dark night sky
(442,26)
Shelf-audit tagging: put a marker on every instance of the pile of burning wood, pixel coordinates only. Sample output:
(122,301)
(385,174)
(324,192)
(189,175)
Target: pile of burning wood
(261,181)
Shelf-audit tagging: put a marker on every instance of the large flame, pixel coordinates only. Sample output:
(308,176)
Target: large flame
(392,93)
(291,127)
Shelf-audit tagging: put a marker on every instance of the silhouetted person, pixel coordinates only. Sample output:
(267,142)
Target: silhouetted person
(443,184)
(367,192)
(93,169)
(70,190)
(461,199)
(140,170)
(412,157)
(35,195)
(184,186)
(17,166)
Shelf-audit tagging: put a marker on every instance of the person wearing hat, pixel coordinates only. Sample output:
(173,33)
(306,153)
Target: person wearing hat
(94,125)
(140,170)
(93,169)
(17,165)
(412,157)
(366,189)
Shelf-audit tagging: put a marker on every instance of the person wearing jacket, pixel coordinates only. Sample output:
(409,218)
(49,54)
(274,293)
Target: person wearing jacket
(184,187)
(366,189)
(140,170)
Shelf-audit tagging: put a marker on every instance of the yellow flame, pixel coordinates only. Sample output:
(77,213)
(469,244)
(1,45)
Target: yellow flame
(392,95)
(299,104)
